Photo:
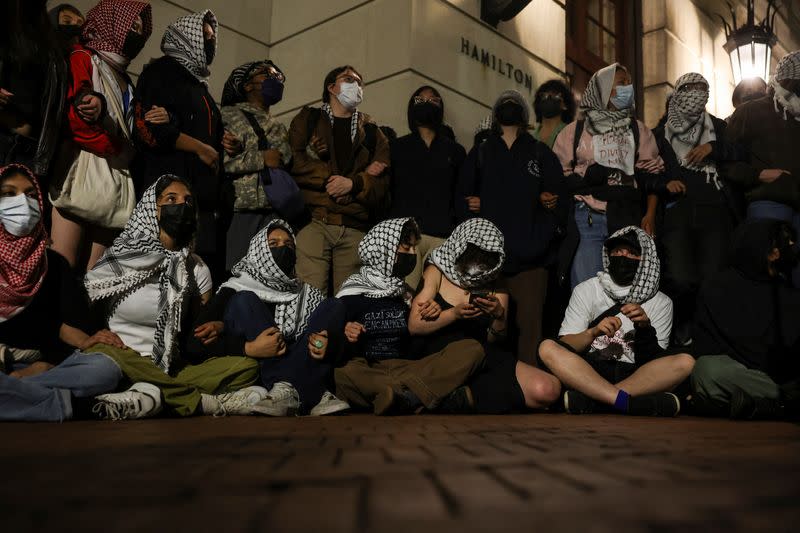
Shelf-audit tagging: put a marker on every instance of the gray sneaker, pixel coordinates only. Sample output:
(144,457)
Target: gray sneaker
(142,400)
(282,400)
(328,405)
(241,402)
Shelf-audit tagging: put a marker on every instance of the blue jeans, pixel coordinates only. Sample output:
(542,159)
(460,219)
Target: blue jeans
(247,315)
(588,260)
(48,396)
(777,211)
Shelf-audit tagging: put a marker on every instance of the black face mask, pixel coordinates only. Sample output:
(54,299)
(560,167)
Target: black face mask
(134,42)
(271,91)
(550,107)
(622,269)
(285,257)
(427,114)
(510,114)
(404,265)
(179,221)
(211,49)
(69,31)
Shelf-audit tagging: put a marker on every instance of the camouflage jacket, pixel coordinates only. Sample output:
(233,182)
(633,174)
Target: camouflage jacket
(245,168)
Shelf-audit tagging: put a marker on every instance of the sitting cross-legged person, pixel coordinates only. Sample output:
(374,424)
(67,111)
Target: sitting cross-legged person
(151,289)
(290,327)
(747,337)
(43,319)
(461,279)
(611,350)
(382,373)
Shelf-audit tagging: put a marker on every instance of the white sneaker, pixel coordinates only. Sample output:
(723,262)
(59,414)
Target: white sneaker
(283,400)
(142,400)
(240,402)
(328,405)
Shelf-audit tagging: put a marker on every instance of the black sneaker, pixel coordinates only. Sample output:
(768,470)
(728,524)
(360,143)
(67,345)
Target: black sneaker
(657,404)
(745,407)
(577,403)
(458,402)
(393,403)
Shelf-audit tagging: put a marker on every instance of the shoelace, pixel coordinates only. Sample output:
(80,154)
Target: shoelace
(231,401)
(281,391)
(116,410)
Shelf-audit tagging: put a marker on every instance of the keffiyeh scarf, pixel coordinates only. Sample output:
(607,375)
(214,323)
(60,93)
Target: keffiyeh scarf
(233,92)
(601,122)
(689,125)
(378,254)
(257,272)
(477,231)
(645,282)
(184,42)
(23,260)
(788,69)
(353,120)
(107,26)
(137,256)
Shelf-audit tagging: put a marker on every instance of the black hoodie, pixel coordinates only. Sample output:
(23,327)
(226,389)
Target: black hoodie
(747,314)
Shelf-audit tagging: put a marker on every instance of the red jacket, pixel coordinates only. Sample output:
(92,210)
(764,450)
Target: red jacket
(89,136)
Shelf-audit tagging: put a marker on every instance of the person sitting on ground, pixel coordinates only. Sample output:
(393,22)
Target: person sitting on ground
(611,348)
(264,299)
(381,372)
(43,318)
(746,335)
(462,279)
(151,289)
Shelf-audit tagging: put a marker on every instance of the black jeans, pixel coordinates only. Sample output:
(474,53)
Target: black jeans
(695,240)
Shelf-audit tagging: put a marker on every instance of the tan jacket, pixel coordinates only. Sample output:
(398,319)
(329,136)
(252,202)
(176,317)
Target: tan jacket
(369,193)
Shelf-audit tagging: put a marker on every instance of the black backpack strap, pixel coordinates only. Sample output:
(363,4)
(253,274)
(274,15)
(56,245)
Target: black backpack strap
(611,311)
(635,131)
(371,138)
(576,141)
(311,122)
(263,143)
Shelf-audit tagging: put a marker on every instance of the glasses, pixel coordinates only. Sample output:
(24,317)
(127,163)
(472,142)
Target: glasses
(435,100)
(269,73)
(350,79)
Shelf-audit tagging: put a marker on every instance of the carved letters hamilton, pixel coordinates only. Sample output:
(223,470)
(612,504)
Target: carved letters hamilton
(499,65)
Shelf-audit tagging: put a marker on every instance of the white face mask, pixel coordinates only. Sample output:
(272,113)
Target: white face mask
(19,214)
(350,95)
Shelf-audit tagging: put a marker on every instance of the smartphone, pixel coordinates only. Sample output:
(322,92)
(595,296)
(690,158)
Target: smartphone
(478,294)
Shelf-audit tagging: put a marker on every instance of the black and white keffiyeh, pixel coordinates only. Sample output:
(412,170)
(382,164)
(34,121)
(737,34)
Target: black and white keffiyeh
(137,256)
(788,69)
(608,128)
(481,233)
(594,104)
(689,125)
(184,42)
(648,276)
(378,254)
(257,272)
(353,120)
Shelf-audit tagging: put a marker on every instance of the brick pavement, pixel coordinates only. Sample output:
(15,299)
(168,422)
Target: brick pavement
(360,473)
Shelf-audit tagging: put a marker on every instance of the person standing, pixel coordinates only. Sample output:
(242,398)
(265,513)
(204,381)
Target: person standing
(339,156)
(179,126)
(554,108)
(503,180)
(768,129)
(263,144)
(425,166)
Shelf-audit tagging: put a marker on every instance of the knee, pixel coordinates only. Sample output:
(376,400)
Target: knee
(471,350)
(546,390)
(684,364)
(105,370)
(547,351)
(706,371)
